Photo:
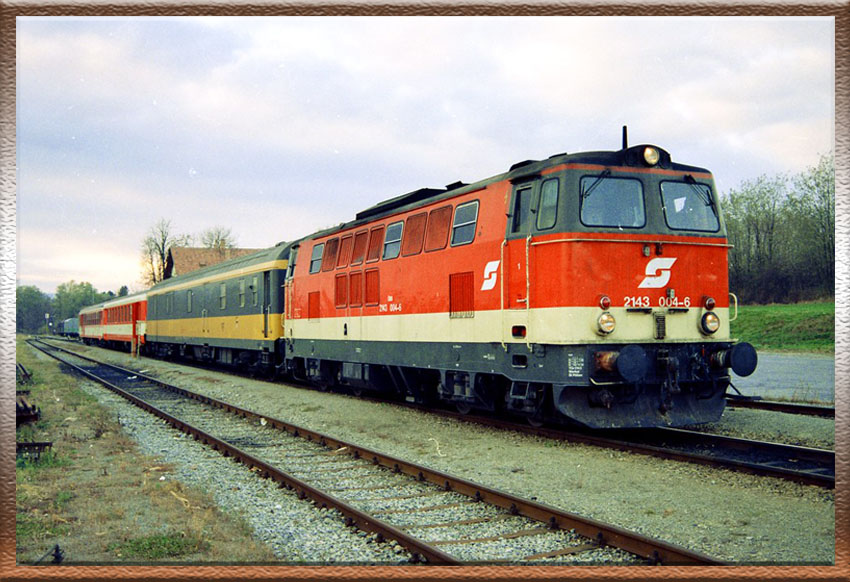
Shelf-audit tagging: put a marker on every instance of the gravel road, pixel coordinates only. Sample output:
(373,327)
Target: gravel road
(741,518)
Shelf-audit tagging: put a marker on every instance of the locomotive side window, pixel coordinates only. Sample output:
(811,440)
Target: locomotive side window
(373,288)
(392,244)
(612,202)
(344,252)
(547,214)
(522,205)
(463,228)
(341,290)
(290,267)
(329,260)
(355,289)
(437,233)
(376,239)
(359,250)
(316,258)
(689,206)
(414,233)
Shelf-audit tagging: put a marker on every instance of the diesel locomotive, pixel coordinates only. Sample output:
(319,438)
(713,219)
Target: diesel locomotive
(589,288)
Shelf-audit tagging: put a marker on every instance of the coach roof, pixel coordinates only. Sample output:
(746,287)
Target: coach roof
(234,267)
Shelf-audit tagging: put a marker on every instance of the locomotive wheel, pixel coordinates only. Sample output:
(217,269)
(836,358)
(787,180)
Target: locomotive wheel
(463,407)
(535,421)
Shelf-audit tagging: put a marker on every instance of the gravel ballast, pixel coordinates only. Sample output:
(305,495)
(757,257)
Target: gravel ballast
(731,516)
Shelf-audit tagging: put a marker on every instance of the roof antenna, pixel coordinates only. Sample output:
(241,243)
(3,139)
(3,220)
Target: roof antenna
(625,138)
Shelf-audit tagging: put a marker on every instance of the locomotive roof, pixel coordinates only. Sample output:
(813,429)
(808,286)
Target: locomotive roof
(278,252)
(525,170)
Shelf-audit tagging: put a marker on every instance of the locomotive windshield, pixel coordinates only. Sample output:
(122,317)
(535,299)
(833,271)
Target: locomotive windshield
(689,206)
(612,202)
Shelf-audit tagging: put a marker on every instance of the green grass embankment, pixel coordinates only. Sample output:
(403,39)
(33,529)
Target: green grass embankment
(799,327)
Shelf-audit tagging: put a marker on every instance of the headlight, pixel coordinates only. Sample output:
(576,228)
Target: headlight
(606,323)
(651,156)
(710,323)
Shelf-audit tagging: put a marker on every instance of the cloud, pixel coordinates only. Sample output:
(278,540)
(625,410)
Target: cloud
(276,127)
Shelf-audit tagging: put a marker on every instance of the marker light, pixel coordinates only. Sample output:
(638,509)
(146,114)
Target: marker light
(709,323)
(605,302)
(606,323)
(651,156)
(710,303)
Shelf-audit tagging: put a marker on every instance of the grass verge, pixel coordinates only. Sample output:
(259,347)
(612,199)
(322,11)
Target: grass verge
(101,500)
(799,327)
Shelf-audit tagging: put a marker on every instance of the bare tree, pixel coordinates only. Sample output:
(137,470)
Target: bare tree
(155,248)
(217,237)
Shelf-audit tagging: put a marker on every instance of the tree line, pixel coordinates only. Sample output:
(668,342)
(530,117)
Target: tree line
(782,232)
(32,304)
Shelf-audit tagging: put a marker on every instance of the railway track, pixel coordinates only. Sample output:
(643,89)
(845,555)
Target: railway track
(804,465)
(809,466)
(437,517)
(787,407)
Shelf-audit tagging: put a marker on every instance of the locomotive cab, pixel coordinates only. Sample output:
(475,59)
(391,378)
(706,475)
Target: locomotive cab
(616,263)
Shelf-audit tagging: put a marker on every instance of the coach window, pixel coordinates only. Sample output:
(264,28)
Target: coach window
(241,292)
(255,291)
(316,258)
(329,260)
(463,228)
(439,224)
(344,252)
(376,240)
(547,214)
(414,234)
(392,244)
(189,301)
(222,296)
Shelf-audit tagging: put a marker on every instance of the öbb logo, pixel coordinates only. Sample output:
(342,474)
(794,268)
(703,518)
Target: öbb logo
(657,272)
(490,275)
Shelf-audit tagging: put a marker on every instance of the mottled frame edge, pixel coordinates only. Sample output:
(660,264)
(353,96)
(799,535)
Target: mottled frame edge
(839,10)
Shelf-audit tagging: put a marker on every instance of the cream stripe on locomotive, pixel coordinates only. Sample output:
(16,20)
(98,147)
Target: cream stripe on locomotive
(559,325)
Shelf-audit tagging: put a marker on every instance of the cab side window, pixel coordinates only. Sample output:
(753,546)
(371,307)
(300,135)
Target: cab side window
(547,213)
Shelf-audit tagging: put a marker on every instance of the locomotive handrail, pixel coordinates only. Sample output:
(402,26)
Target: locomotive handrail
(735,297)
(617,240)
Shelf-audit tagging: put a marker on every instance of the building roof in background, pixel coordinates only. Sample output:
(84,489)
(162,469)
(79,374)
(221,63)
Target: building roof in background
(182,260)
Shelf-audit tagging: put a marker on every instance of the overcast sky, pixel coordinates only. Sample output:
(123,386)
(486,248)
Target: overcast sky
(277,127)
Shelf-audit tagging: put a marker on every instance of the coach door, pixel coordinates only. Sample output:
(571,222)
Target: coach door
(267,301)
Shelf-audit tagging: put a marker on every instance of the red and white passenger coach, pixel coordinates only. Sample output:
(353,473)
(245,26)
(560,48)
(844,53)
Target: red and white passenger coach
(118,323)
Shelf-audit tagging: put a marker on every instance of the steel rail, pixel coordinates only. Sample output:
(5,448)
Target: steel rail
(619,441)
(787,407)
(602,534)
(354,516)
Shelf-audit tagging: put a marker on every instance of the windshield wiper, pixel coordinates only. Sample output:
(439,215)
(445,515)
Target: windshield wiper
(596,183)
(704,195)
